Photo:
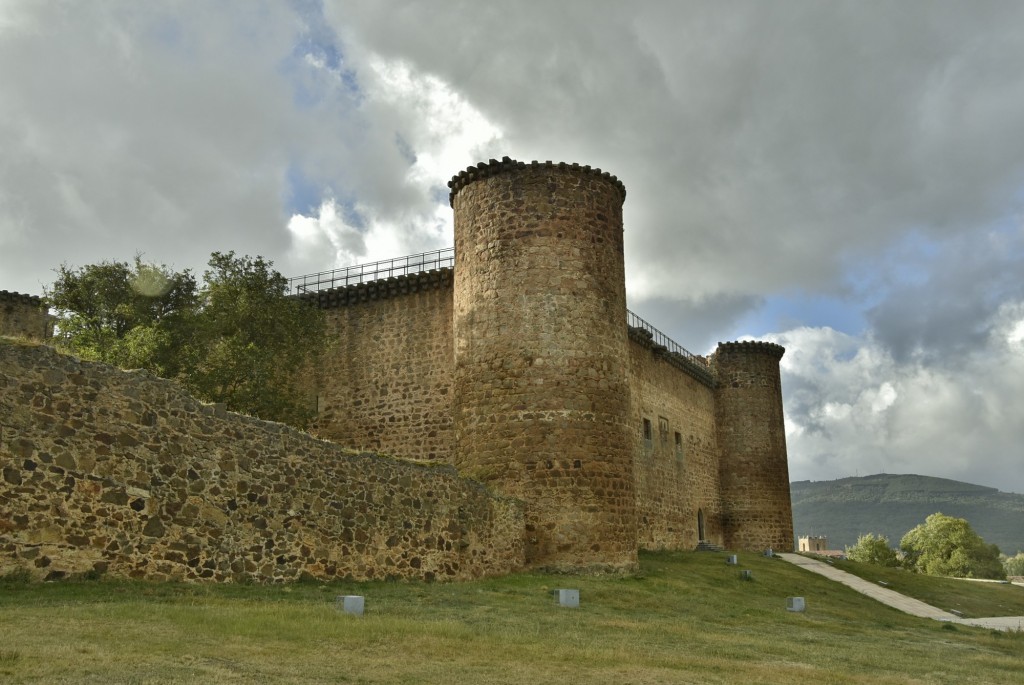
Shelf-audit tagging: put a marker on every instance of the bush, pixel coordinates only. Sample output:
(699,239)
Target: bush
(873,550)
(1014,566)
(947,546)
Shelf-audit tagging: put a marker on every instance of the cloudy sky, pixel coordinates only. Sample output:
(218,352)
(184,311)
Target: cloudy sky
(843,178)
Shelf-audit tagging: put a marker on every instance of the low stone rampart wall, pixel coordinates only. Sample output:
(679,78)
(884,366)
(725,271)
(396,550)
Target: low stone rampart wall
(124,473)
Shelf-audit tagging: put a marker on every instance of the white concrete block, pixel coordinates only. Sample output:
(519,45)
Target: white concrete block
(569,598)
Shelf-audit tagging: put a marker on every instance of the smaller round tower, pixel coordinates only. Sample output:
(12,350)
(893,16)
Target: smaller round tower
(756,508)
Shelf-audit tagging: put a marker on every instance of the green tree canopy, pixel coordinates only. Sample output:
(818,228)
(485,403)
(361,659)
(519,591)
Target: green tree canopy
(235,338)
(130,315)
(1014,566)
(254,341)
(873,550)
(947,546)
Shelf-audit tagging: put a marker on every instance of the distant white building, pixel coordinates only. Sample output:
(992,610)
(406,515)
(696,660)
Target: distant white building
(813,543)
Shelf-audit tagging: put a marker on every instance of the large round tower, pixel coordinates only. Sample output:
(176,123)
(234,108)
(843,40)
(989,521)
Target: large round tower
(756,509)
(541,396)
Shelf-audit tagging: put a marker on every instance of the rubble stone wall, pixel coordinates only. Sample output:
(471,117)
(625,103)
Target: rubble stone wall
(122,472)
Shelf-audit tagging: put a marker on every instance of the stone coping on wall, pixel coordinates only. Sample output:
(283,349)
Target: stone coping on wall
(699,373)
(20,298)
(384,288)
(494,167)
(752,346)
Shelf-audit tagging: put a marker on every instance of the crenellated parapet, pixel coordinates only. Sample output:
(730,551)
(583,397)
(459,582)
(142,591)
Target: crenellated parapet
(381,289)
(494,167)
(8,296)
(752,347)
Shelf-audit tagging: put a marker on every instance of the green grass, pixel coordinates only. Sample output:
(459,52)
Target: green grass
(685,618)
(973,599)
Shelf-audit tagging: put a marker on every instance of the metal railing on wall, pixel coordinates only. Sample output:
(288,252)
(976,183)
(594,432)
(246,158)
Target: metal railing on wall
(364,273)
(659,338)
(445,259)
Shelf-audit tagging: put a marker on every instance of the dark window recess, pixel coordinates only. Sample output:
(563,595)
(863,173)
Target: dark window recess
(679,443)
(648,433)
(663,428)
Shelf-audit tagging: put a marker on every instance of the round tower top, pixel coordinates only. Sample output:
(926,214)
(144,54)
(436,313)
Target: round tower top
(507,165)
(751,347)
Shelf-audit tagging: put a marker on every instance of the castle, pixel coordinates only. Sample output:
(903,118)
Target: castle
(516,362)
(518,365)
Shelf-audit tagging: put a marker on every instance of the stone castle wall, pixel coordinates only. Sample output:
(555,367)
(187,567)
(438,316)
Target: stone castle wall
(123,472)
(24,316)
(385,379)
(676,470)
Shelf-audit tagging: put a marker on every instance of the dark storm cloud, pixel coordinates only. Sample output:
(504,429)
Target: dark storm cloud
(949,309)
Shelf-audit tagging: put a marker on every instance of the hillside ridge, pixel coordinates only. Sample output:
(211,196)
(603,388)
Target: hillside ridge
(892,504)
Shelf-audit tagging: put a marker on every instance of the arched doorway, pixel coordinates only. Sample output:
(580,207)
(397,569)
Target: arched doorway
(700,525)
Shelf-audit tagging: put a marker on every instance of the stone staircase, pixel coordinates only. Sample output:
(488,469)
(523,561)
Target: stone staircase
(707,546)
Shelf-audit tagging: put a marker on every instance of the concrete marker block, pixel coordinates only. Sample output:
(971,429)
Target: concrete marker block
(795,604)
(350,604)
(569,598)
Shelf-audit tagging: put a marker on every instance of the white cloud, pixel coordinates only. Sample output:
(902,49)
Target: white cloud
(438,132)
(865,412)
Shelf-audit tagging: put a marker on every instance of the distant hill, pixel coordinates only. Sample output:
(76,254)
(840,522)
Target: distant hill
(893,504)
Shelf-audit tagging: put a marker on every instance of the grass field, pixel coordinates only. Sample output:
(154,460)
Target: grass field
(685,618)
(972,599)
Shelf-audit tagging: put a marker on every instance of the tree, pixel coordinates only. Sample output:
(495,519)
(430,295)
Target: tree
(1014,566)
(873,550)
(238,338)
(133,316)
(254,342)
(947,546)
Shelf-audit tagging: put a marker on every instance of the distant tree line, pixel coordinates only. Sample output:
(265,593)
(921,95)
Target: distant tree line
(941,546)
(233,337)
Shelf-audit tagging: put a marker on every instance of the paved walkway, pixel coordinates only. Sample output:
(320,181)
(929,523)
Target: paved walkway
(894,599)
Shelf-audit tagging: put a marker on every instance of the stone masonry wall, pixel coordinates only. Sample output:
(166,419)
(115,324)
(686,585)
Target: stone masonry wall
(673,480)
(123,472)
(385,379)
(23,316)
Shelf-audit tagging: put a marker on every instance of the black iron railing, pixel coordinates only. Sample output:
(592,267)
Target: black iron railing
(364,273)
(445,259)
(659,338)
